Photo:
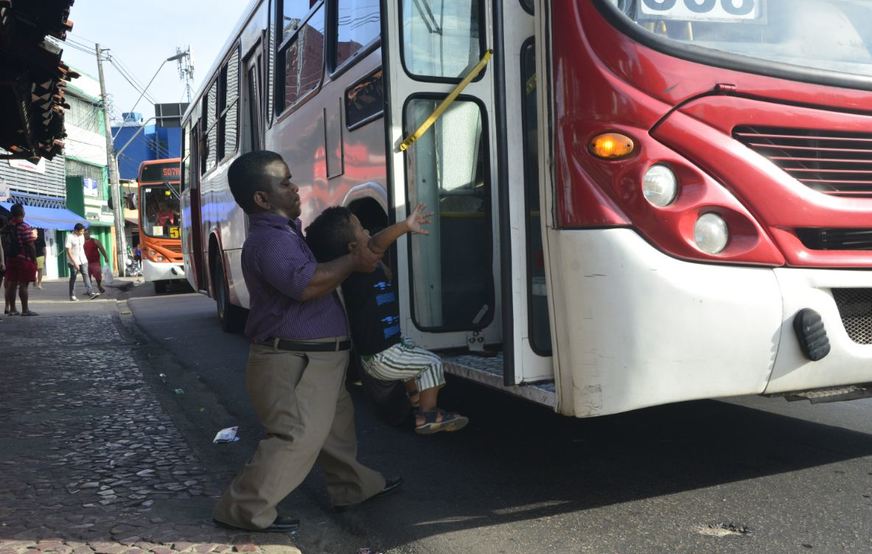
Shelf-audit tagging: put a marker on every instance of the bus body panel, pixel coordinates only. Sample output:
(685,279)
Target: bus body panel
(635,327)
(155,271)
(848,362)
(637,349)
(222,226)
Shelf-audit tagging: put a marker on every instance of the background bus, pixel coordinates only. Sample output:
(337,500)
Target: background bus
(160,222)
(635,202)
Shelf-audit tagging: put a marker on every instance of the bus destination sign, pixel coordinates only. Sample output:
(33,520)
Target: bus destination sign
(160,173)
(701,10)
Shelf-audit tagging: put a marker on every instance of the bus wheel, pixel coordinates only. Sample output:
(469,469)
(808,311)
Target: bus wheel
(232,317)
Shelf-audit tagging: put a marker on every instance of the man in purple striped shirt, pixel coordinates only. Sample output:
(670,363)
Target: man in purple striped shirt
(299,353)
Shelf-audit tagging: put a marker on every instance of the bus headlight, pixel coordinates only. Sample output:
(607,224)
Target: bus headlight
(710,233)
(660,186)
(154,256)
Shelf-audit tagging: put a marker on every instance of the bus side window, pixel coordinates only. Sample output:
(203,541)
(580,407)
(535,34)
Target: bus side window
(365,100)
(300,59)
(203,149)
(358,25)
(441,38)
(226,110)
(186,153)
(212,128)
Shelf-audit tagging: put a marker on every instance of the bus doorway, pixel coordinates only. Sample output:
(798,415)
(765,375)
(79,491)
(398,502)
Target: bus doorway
(468,279)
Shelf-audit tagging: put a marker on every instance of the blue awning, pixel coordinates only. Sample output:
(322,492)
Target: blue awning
(49,218)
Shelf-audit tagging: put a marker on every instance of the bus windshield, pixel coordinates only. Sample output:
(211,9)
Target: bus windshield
(160,212)
(828,35)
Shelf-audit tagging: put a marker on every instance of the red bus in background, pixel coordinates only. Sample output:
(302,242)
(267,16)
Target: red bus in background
(160,222)
(636,202)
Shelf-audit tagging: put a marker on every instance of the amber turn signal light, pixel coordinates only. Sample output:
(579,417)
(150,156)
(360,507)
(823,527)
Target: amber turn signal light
(611,146)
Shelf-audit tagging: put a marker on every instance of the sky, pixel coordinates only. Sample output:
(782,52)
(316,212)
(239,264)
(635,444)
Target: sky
(140,35)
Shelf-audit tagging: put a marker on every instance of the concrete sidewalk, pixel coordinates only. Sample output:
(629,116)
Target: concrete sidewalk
(89,459)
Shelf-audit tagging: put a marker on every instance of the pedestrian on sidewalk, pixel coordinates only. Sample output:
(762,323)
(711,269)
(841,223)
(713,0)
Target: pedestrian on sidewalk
(77,261)
(299,351)
(20,256)
(40,257)
(93,250)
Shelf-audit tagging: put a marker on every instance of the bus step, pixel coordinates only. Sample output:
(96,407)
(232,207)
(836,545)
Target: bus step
(832,394)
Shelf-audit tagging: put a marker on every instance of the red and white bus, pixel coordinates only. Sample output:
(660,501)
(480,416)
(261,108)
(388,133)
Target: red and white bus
(636,202)
(160,222)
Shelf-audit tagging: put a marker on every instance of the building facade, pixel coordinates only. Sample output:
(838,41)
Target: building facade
(86,163)
(137,139)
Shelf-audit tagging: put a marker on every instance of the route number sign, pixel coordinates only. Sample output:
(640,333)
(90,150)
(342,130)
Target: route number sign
(701,10)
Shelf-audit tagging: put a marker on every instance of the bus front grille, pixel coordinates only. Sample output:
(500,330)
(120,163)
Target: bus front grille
(836,239)
(832,162)
(855,309)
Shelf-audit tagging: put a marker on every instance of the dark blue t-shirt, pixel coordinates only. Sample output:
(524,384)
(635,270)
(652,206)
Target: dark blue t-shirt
(373,311)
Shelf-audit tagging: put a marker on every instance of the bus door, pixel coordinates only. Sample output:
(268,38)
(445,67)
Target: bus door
(449,278)
(195,264)
(526,319)
(457,276)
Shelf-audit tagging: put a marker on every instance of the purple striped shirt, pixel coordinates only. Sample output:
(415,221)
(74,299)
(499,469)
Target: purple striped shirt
(278,265)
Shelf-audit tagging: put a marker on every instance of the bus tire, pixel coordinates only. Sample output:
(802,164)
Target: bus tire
(160,287)
(232,317)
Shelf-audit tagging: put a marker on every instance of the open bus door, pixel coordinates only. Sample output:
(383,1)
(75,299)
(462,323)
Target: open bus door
(193,233)
(467,280)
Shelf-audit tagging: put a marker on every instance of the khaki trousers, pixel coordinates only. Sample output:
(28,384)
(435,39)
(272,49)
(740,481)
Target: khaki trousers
(301,400)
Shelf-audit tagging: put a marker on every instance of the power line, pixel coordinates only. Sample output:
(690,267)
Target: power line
(130,79)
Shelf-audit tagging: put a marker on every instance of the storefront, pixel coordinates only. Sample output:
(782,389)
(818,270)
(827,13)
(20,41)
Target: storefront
(86,196)
(54,221)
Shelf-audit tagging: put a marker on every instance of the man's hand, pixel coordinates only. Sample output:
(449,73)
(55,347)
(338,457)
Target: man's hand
(417,219)
(363,259)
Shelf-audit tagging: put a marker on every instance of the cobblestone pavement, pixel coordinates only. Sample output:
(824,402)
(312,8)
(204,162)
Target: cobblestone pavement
(89,461)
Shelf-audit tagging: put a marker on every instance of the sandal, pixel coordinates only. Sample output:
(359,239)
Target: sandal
(29,312)
(440,420)
(11,312)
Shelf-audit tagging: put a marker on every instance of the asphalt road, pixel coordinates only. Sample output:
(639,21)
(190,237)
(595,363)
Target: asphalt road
(745,475)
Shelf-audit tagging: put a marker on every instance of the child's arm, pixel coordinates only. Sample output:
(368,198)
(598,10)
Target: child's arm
(412,224)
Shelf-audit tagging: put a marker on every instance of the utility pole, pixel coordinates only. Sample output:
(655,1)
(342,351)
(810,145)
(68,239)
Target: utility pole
(186,69)
(114,179)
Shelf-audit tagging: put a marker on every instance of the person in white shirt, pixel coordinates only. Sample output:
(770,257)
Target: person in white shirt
(78,262)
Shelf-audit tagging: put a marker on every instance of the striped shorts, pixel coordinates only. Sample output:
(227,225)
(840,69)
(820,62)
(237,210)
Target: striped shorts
(405,361)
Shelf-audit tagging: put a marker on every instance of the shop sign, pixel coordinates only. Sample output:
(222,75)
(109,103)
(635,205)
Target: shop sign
(90,187)
(27,166)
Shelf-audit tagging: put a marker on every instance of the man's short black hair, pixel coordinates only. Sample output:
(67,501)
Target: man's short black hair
(78,227)
(246,176)
(328,236)
(17,210)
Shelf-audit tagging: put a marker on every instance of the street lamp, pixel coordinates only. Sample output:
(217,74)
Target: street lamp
(178,56)
(115,178)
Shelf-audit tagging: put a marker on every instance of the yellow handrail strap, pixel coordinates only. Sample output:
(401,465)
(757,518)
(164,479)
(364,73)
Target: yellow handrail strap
(440,109)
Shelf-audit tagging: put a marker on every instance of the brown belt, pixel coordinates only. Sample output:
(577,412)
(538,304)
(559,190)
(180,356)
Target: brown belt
(307,345)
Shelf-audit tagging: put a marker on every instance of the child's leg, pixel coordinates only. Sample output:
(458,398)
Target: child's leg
(419,369)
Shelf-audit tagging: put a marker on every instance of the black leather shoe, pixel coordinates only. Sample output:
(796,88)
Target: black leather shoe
(282,524)
(391,485)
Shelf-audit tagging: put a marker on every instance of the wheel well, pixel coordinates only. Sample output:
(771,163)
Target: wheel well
(370,214)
